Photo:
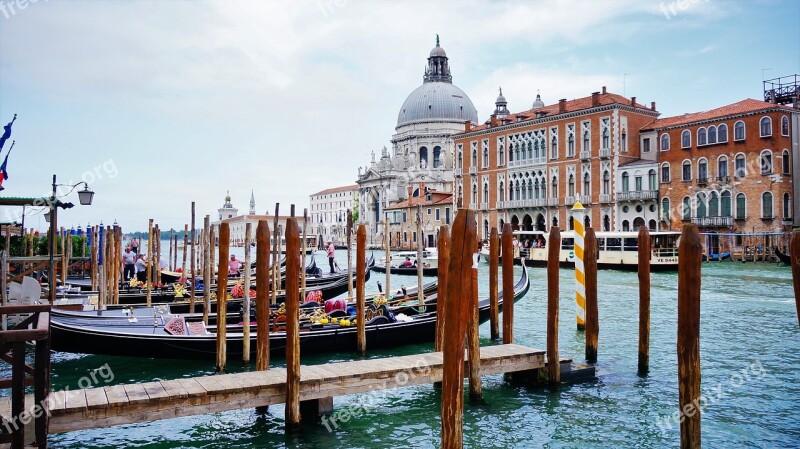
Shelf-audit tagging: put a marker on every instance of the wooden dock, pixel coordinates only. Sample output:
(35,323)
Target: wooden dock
(141,402)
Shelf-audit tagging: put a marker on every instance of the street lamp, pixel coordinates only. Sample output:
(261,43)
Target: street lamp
(85,197)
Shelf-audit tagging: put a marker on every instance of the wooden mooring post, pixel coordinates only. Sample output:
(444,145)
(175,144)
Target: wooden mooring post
(459,287)
(441,289)
(494,308)
(262,295)
(644,300)
(690,254)
(473,339)
(794,253)
(194,260)
(361,256)
(292,325)
(222,299)
(208,270)
(508,283)
(275,250)
(349,230)
(184,274)
(149,262)
(592,318)
(248,229)
(554,248)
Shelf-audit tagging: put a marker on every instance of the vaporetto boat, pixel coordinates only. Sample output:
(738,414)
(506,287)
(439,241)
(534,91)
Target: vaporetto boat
(616,250)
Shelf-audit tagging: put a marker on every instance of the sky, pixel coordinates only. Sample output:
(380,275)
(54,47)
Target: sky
(160,103)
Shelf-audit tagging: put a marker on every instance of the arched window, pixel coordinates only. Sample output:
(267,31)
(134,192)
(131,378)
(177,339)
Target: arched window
(686,139)
(460,160)
(571,145)
(702,170)
(554,147)
(701,136)
(725,204)
(766,162)
(511,157)
(530,189)
(586,184)
(586,141)
(530,150)
(686,174)
(606,139)
(523,191)
(474,157)
(766,126)
(554,188)
(712,134)
(766,206)
(571,186)
(651,178)
(511,190)
(486,193)
(536,193)
(741,206)
(701,205)
(502,191)
(485,156)
(787,207)
(423,157)
(665,209)
(722,169)
(665,175)
(713,204)
(474,194)
(544,189)
(664,142)
(739,170)
(784,126)
(437,157)
(555,220)
(686,211)
(626,226)
(722,133)
(606,223)
(786,163)
(738,131)
(625,182)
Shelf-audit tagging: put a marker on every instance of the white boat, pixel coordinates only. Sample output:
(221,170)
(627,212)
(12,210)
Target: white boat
(430,258)
(616,250)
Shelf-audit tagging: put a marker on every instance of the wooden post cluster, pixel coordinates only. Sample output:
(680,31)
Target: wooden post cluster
(508,284)
(222,299)
(262,295)
(553,249)
(361,256)
(248,229)
(690,255)
(644,300)
(592,318)
(459,290)
(441,292)
(292,325)
(494,293)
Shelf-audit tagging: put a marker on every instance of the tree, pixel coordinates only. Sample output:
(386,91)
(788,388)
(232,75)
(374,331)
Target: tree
(355,209)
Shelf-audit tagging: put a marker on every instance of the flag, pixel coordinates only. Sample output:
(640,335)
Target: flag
(7,132)
(3,172)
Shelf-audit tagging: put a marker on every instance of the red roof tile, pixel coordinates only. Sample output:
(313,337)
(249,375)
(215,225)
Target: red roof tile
(745,106)
(437,198)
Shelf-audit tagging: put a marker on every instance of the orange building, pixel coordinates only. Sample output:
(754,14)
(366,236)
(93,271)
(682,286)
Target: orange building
(436,210)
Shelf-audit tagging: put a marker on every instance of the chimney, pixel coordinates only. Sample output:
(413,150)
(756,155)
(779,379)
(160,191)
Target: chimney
(595,99)
(604,90)
(562,105)
(410,190)
(493,120)
(652,105)
(633,101)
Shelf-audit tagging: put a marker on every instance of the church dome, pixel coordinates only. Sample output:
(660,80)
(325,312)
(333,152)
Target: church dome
(438,51)
(437,101)
(538,103)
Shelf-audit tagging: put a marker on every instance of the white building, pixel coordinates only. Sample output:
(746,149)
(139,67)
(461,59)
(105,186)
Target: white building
(328,215)
(238,223)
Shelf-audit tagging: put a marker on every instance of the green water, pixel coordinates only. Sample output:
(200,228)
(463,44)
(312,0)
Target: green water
(748,322)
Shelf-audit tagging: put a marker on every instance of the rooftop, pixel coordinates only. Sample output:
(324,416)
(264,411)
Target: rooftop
(336,190)
(745,106)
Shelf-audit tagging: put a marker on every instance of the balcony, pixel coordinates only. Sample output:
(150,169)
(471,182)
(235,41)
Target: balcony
(484,206)
(473,170)
(552,201)
(518,204)
(586,155)
(724,179)
(702,181)
(586,199)
(713,222)
(527,162)
(605,198)
(569,201)
(637,195)
(605,153)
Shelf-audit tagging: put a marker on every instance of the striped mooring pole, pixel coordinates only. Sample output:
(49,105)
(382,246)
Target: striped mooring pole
(578,212)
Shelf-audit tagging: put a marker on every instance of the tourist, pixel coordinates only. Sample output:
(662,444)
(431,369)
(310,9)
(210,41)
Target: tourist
(141,269)
(233,266)
(331,250)
(129,263)
(134,245)
(407,263)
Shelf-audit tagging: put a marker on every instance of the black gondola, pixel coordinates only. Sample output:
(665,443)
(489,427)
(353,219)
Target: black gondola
(785,258)
(407,271)
(147,337)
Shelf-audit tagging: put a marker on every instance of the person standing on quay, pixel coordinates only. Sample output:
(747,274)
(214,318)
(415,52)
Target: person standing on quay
(331,250)
(128,261)
(134,245)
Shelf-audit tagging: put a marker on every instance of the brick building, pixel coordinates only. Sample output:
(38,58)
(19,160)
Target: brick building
(436,210)
(729,170)
(530,168)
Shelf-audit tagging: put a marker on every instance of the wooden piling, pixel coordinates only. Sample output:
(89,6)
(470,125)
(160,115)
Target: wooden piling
(494,307)
(193,268)
(473,340)
(275,250)
(361,256)
(171,249)
(292,324)
(149,262)
(388,256)
(208,270)
(262,295)
(441,289)
(213,237)
(508,284)
(794,254)
(349,230)
(592,318)
(553,250)
(459,286)
(184,274)
(248,228)
(119,265)
(222,298)
(157,244)
(644,300)
(303,257)
(420,267)
(690,256)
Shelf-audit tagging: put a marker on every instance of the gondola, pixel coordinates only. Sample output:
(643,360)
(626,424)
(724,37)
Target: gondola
(784,258)
(147,337)
(715,257)
(407,271)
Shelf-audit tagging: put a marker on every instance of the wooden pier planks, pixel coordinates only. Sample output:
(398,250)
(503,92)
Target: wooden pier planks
(150,401)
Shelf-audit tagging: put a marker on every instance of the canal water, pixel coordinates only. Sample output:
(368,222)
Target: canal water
(750,381)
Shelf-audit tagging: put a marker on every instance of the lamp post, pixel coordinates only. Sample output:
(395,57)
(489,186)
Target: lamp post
(85,197)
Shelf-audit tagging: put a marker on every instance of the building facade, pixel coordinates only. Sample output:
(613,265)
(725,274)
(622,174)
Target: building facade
(531,167)
(436,209)
(238,223)
(422,150)
(328,215)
